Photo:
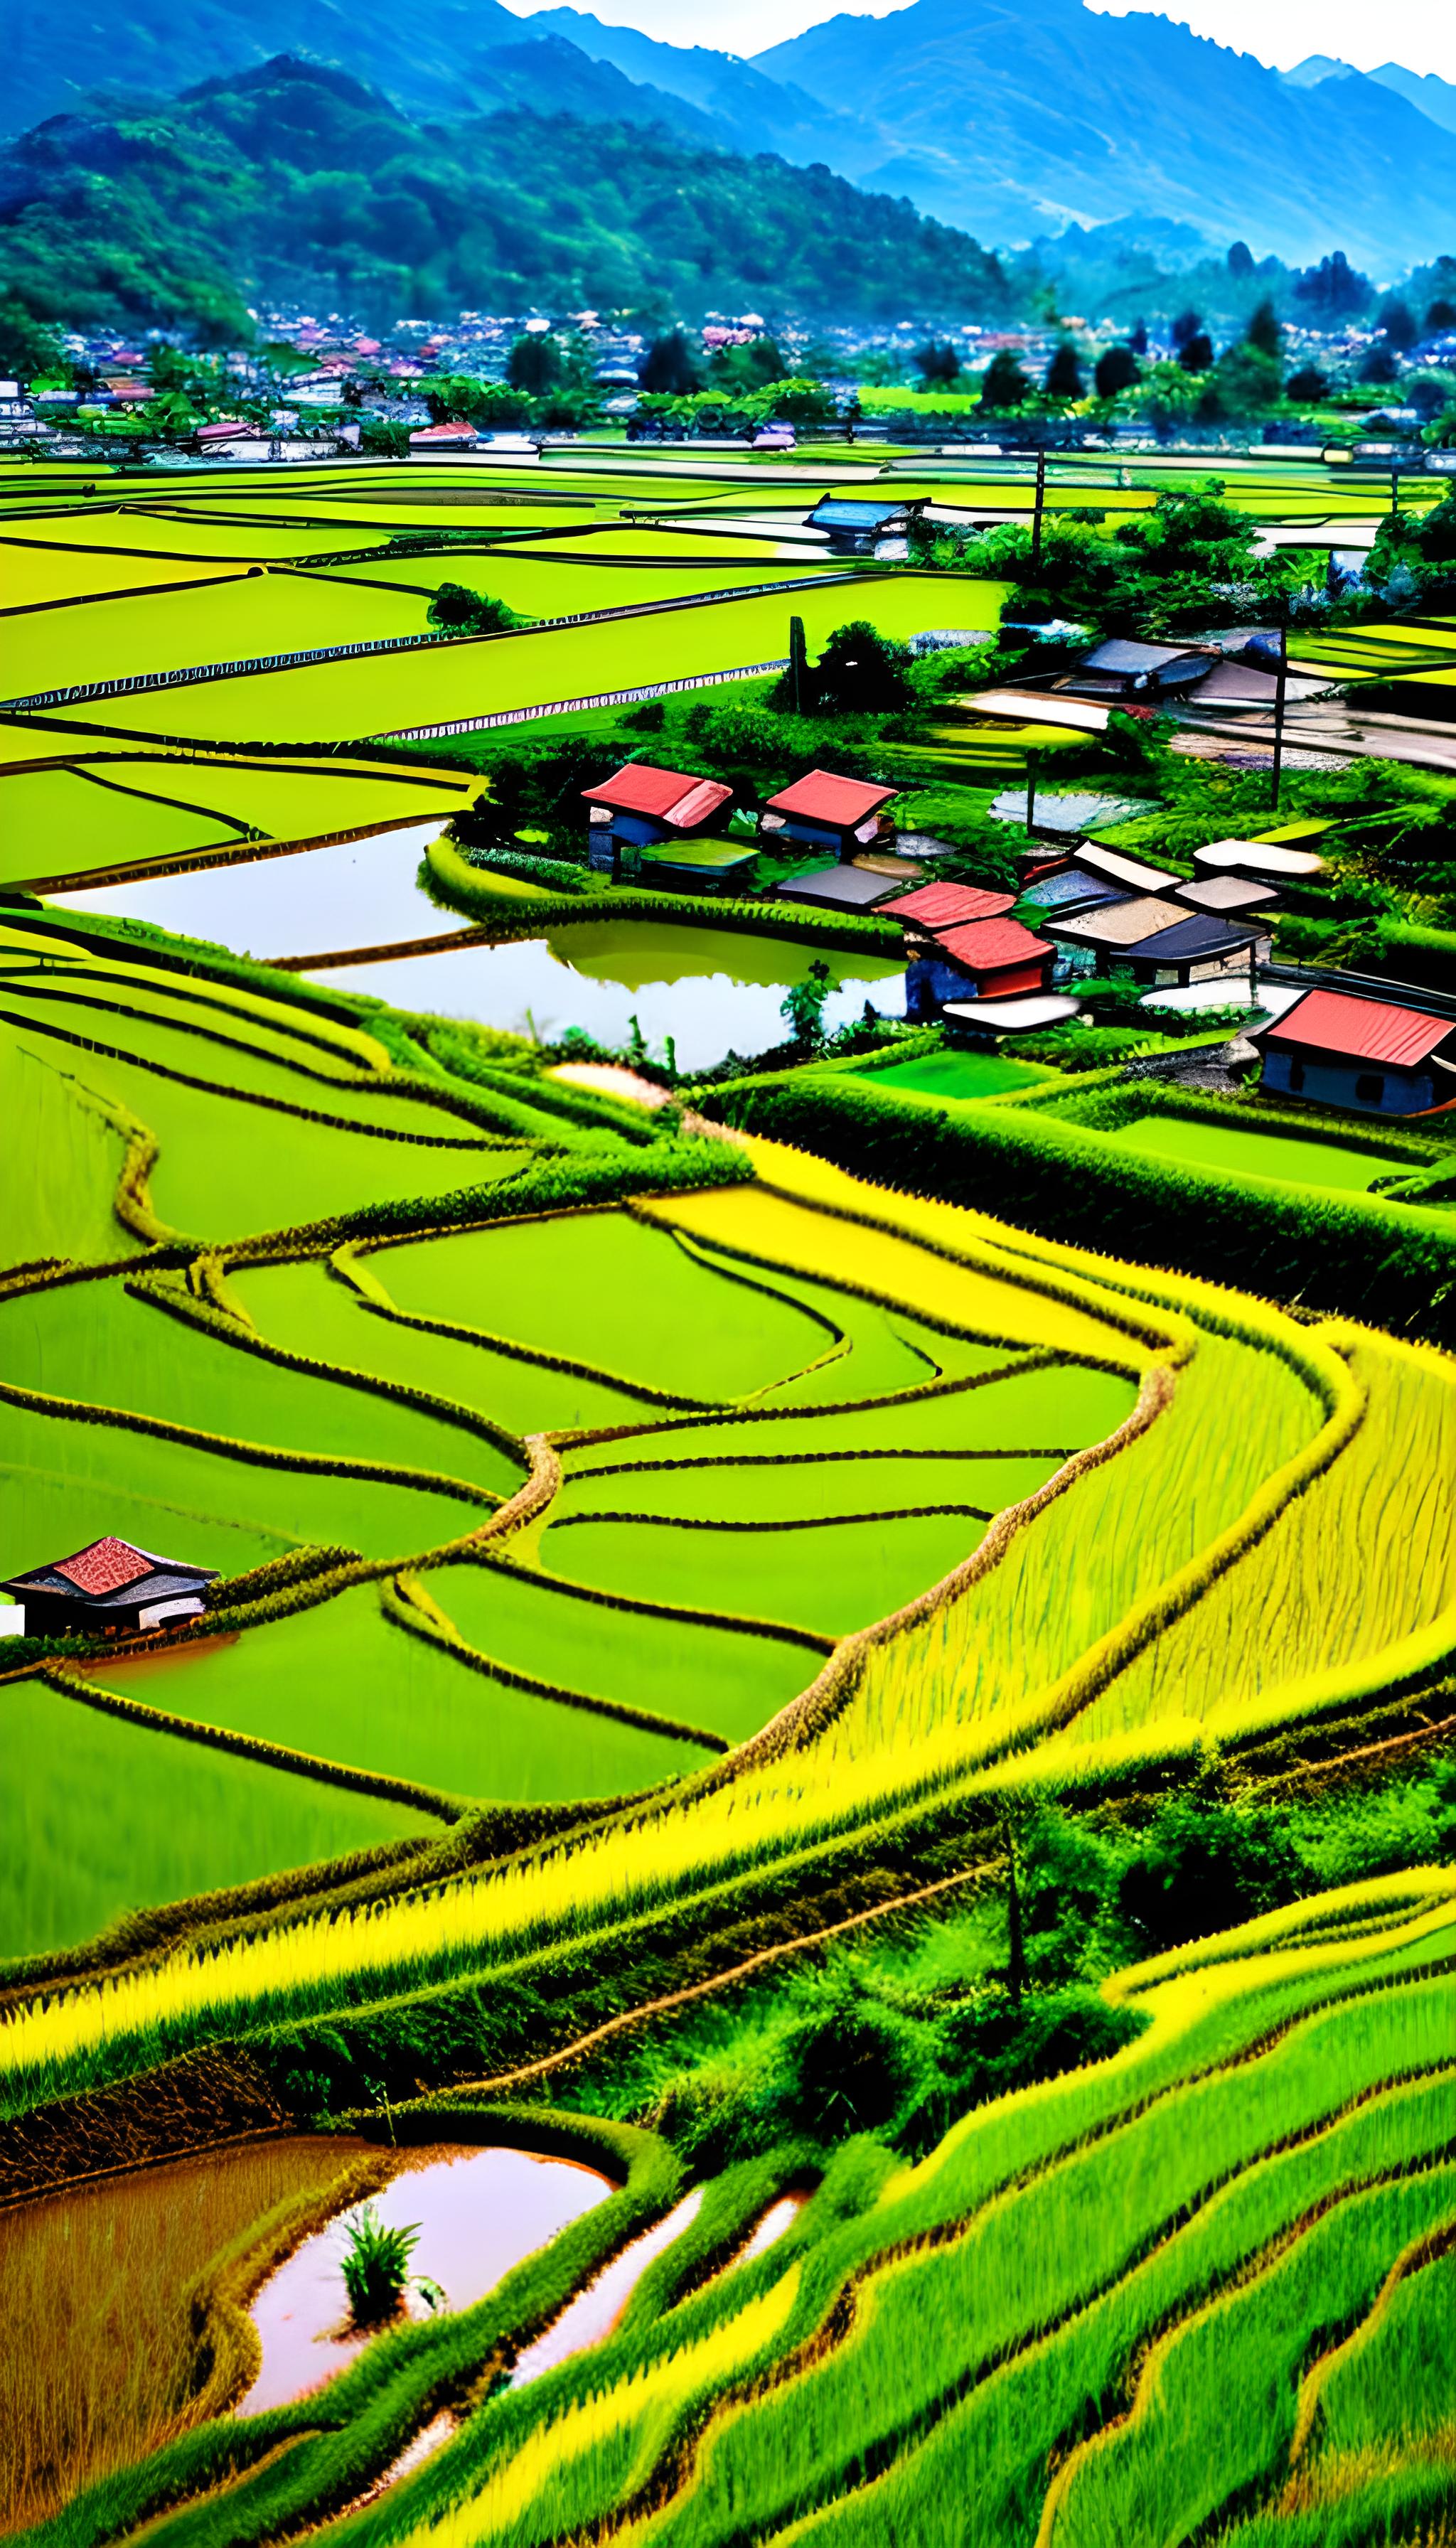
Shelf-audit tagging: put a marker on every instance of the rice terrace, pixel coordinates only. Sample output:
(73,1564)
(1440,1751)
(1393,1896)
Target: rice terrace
(728,1356)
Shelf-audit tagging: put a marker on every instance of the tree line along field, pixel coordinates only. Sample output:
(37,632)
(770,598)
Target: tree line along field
(749,1653)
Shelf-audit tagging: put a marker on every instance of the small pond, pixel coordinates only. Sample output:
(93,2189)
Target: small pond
(479,2212)
(712,990)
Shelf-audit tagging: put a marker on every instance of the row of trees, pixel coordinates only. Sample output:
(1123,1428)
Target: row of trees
(1193,384)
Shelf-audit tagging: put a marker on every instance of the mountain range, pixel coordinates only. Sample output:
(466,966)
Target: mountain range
(1000,119)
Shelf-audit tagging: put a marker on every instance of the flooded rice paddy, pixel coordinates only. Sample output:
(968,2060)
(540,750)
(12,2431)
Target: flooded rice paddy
(479,2212)
(712,991)
(105,2289)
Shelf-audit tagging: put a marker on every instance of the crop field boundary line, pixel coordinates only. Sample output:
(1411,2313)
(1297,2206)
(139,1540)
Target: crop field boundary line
(1256,2268)
(809,1521)
(437,1801)
(568,707)
(236,1330)
(375,1298)
(1042,1358)
(808,1459)
(409,1610)
(899,2444)
(243,666)
(36,1022)
(842,2319)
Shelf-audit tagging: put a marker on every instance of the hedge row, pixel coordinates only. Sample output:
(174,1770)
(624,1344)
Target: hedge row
(460,887)
(1354,1256)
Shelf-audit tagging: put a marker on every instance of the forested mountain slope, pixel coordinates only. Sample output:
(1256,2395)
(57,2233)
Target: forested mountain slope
(292,179)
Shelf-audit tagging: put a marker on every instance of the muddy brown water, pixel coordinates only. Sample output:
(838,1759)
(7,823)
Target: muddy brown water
(98,2360)
(479,2212)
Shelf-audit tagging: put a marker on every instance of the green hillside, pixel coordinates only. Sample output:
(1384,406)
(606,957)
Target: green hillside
(292,180)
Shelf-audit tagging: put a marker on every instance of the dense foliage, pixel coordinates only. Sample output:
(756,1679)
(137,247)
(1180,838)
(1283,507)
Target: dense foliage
(291,180)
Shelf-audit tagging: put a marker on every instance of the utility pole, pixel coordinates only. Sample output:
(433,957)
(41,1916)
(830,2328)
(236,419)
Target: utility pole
(1037,514)
(1281,679)
(799,664)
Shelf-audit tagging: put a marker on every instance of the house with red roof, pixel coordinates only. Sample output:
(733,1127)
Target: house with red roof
(822,811)
(640,807)
(1374,1057)
(983,959)
(932,908)
(109,1589)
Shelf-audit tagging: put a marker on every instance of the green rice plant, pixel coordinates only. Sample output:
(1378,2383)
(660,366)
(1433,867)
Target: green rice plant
(136,2255)
(1215,2404)
(1281,1624)
(375,2265)
(109,1817)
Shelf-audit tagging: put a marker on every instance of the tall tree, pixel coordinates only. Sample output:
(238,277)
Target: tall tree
(668,368)
(1004,384)
(534,364)
(1064,374)
(938,365)
(1265,332)
(1117,370)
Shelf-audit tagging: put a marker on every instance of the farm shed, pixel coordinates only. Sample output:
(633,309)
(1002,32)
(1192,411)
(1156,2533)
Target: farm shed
(987,960)
(109,1589)
(1371,1056)
(1122,668)
(1086,936)
(858,528)
(641,805)
(1197,949)
(829,813)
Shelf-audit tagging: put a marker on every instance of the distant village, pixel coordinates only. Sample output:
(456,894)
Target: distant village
(315,383)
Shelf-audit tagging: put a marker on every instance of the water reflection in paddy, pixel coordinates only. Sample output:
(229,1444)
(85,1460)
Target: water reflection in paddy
(305,903)
(479,2212)
(712,990)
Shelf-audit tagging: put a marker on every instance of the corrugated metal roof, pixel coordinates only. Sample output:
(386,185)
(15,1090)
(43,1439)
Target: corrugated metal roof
(1070,889)
(983,946)
(666,796)
(1223,893)
(844,514)
(1127,655)
(842,888)
(1362,1029)
(1123,924)
(949,906)
(1202,933)
(820,797)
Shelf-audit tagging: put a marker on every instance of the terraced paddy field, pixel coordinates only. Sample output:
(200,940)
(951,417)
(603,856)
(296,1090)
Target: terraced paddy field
(839,1700)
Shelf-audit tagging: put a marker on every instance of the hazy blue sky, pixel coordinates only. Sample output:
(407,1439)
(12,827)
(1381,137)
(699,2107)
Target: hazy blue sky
(1422,33)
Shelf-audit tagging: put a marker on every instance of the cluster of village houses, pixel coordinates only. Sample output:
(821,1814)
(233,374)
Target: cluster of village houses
(988,963)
